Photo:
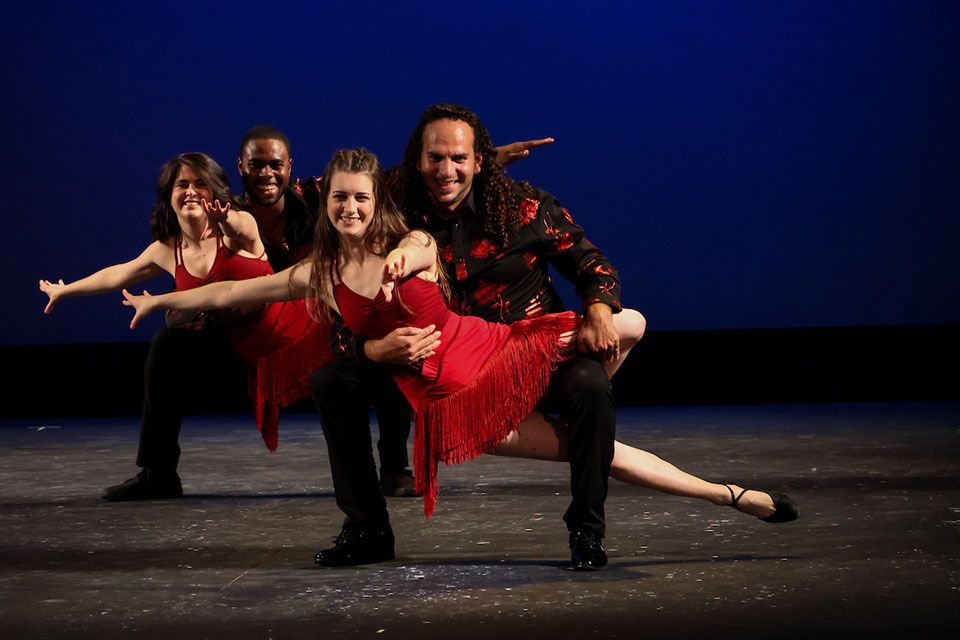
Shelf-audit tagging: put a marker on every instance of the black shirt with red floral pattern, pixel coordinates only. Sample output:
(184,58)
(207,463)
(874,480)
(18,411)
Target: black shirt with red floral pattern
(506,284)
(509,283)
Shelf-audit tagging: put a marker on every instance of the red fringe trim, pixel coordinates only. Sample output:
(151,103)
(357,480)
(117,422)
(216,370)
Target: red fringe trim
(507,389)
(283,377)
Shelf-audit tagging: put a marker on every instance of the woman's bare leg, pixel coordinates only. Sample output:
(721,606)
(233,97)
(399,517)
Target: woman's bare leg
(542,437)
(539,437)
(631,326)
(636,466)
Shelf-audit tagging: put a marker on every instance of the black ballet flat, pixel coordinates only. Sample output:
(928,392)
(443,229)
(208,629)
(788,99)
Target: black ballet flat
(785,508)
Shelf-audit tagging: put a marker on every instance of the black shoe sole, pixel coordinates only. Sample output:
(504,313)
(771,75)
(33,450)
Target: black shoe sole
(352,562)
(587,567)
(139,498)
(400,493)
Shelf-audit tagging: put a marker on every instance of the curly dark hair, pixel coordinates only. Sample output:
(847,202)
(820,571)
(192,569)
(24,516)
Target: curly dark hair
(491,185)
(163,219)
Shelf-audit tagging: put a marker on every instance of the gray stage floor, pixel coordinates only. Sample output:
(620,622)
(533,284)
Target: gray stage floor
(875,550)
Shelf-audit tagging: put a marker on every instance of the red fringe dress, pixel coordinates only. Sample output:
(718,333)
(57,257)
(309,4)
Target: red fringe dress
(483,380)
(279,341)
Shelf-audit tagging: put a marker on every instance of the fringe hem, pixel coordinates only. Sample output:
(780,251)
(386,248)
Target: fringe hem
(507,389)
(283,377)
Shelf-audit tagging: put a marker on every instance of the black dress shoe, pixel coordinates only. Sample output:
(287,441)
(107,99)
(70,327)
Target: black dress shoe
(785,509)
(146,485)
(356,545)
(586,553)
(398,485)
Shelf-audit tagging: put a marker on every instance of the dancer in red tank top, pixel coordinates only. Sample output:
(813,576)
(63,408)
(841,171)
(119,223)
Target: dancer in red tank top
(279,341)
(207,236)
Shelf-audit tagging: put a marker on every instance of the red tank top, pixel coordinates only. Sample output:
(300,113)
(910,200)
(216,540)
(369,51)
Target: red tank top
(279,341)
(226,266)
(260,331)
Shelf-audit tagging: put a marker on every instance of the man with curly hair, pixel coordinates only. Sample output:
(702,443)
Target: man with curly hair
(496,238)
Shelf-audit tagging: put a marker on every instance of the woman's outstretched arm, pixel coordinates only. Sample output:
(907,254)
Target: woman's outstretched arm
(290,284)
(154,260)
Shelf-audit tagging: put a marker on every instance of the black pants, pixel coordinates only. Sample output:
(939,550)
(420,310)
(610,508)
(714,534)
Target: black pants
(192,370)
(183,368)
(343,391)
(579,393)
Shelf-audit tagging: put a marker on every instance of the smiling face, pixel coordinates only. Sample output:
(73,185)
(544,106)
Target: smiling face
(189,188)
(448,162)
(265,165)
(351,204)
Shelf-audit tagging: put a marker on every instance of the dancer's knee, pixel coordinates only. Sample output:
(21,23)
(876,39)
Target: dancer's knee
(631,325)
(585,380)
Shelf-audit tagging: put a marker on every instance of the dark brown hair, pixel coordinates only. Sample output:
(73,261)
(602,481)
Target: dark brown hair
(163,219)
(386,229)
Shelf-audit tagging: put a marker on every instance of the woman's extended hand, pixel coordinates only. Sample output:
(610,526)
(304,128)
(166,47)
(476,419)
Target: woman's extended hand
(215,216)
(143,305)
(53,290)
(394,270)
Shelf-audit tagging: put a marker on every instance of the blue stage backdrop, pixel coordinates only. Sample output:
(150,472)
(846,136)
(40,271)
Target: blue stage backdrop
(743,164)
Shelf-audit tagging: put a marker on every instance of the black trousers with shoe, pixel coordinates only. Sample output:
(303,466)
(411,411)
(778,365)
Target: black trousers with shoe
(184,367)
(343,392)
(580,394)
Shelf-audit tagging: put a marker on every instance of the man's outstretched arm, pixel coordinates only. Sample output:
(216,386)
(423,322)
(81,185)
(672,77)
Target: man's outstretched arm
(510,153)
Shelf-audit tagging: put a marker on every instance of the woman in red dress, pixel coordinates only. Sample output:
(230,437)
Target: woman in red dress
(200,238)
(474,393)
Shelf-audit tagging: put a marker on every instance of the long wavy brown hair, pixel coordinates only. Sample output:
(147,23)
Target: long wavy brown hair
(491,185)
(386,228)
(163,219)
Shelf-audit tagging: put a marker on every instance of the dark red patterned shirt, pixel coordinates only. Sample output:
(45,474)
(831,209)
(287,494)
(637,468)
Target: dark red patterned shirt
(506,284)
